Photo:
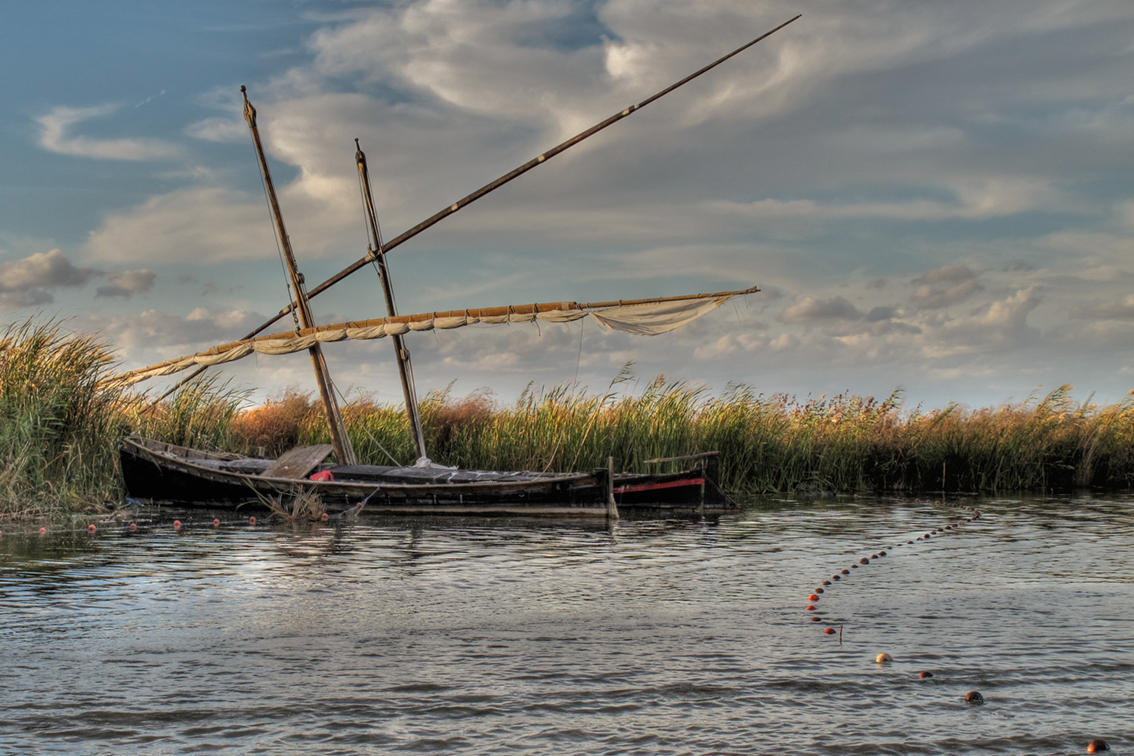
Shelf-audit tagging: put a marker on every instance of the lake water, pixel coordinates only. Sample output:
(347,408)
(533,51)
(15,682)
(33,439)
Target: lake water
(506,637)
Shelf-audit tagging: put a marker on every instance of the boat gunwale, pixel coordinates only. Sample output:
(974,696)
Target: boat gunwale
(334,487)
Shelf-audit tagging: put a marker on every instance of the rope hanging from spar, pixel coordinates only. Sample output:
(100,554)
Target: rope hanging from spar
(486,189)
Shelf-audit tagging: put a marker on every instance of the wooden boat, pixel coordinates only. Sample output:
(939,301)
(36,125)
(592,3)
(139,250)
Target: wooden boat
(165,472)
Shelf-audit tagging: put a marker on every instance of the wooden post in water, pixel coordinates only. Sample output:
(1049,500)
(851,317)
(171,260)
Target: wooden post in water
(611,505)
(339,438)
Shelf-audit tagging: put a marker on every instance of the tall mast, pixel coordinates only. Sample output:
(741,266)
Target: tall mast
(339,439)
(378,254)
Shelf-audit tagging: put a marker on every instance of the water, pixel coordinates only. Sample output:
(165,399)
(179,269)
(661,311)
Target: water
(488,637)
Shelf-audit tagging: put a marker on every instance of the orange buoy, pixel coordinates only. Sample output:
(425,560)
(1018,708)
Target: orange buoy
(836,577)
(924,675)
(816,619)
(1097,745)
(216,523)
(854,566)
(818,590)
(177,524)
(972,697)
(43,531)
(325,517)
(881,553)
(251,520)
(91,528)
(133,526)
(810,608)
(812,597)
(883,658)
(826,582)
(846,572)
(830,631)
(864,560)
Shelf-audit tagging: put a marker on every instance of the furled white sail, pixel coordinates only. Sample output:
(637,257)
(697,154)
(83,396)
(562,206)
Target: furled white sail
(639,317)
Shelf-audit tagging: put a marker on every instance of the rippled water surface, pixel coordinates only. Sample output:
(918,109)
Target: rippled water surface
(507,637)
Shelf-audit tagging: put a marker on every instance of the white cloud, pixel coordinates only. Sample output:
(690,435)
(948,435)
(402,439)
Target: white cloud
(219,130)
(127,283)
(54,137)
(1120,310)
(27,282)
(811,310)
(206,225)
(43,270)
(944,286)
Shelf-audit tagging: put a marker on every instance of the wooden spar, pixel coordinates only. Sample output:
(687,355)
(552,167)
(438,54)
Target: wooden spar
(339,438)
(461,203)
(377,253)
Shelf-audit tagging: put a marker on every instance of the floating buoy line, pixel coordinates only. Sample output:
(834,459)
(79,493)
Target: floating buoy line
(819,592)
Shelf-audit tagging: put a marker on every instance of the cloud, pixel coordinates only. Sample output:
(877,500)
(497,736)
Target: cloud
(55,138)
(206,225)
(219,130)
(43,270)
(1120,310)
(155,335)
(811,310)
(127,283)
(29,298)
(945,286)
(26,282)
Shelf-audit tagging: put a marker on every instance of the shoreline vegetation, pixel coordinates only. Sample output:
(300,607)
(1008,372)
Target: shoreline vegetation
(61,426)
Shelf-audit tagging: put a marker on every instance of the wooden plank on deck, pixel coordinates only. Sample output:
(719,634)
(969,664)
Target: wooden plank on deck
(298,462)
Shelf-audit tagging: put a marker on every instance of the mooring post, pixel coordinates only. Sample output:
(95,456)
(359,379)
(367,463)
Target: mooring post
(611,505)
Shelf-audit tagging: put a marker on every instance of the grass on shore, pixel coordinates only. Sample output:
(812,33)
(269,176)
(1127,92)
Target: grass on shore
(61,426)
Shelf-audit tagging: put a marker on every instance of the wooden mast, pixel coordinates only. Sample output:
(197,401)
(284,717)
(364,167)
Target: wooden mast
(378,255)
(339,438)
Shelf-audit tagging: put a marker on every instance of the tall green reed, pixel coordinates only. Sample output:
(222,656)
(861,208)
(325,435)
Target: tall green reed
(59,428)
(770,443)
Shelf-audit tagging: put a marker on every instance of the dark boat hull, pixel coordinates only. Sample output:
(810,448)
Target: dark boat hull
(169,473)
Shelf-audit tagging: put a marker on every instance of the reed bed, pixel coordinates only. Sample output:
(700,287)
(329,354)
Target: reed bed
(775,443)
(59,430)
(61,425)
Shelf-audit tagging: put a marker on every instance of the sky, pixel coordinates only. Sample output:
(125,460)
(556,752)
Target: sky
(934,198)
